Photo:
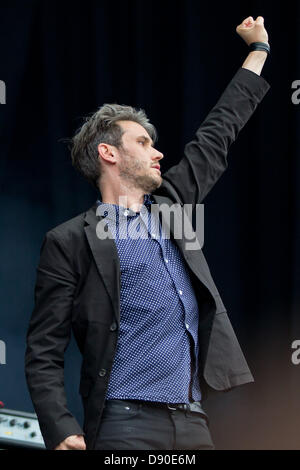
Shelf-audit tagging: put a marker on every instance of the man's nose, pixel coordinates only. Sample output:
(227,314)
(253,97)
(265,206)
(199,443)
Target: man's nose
(158,155)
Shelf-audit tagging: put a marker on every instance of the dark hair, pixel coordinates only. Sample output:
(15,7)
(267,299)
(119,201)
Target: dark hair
(102,127)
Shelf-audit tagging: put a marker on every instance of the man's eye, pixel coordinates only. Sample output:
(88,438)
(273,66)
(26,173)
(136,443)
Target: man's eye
(141,142)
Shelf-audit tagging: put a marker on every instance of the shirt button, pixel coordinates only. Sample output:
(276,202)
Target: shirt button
(166,260)
(180,292)
(187,326)
(102,372)
(113,327)
(153,235)
(126,212)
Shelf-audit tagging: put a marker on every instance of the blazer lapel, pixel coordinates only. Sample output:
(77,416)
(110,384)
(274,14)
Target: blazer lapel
(106,257)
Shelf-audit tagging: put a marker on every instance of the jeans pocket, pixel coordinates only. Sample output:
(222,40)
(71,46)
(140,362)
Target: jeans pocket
(200,418)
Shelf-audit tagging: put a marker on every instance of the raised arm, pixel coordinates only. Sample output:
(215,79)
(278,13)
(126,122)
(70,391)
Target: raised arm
(205,157)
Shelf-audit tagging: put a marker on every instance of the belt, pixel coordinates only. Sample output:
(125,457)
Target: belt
(194,407)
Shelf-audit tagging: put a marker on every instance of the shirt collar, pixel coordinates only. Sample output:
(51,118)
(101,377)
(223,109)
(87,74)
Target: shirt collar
(148,200)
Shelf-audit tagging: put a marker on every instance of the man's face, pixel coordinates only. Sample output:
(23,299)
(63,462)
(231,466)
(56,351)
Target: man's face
(138,163)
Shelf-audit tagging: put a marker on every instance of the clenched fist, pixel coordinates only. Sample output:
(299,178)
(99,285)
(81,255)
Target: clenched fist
(75,442)
(253,31)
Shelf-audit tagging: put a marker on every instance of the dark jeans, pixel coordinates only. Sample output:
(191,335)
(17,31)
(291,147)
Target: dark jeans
(130,425)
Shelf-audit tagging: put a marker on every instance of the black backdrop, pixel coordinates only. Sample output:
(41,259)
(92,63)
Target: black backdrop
(61,61)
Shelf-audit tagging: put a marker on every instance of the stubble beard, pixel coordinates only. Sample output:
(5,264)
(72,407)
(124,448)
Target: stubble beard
(130,171)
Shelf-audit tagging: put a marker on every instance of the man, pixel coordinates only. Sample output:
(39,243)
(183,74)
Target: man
(147,317)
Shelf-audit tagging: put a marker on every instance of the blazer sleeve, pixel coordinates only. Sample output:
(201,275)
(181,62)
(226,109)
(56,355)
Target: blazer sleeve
(48,336)
(205,157)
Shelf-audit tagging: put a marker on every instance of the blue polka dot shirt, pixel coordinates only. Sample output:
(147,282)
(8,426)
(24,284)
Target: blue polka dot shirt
(157,349)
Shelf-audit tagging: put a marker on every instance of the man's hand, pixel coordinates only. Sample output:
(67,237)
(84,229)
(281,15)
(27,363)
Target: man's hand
(72,443)
(253,31)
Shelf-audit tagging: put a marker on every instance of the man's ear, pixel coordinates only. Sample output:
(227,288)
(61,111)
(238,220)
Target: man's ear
(107,152)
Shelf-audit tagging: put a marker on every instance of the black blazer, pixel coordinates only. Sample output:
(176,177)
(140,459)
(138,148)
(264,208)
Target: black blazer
(78,284)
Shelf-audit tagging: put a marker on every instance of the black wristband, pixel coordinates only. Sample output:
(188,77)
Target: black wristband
(260,46)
